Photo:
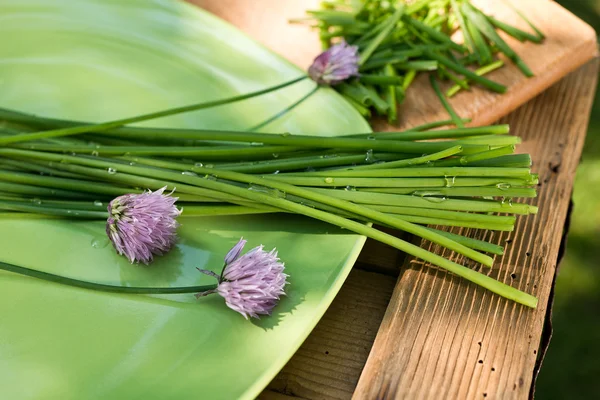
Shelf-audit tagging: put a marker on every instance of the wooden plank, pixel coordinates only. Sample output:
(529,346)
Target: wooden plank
(569,44)
(329,363)
(442,337)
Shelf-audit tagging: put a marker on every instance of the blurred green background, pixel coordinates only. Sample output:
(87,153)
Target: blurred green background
(571,369)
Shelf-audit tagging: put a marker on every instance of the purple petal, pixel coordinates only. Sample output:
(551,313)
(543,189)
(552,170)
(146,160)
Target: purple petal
(235,252)
(253,283)
(335,65)
(141,226)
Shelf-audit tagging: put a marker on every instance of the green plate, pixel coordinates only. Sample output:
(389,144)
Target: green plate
(101,60)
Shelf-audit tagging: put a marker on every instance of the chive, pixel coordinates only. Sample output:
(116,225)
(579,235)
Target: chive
(421,65)
(391,91)
(413,134)
(378,103)
(387,80)
(483,51)
(480,20)
(418,172)
(480,71)
(457,80)
(356,92)
(117,123)
(473,243)
(413,161)
(333,17)
(378,63)
(513,31)
(430,202)
(390,23)
(455,118)
(437,35)
(539,33)
(408,78)
(364,111)
(463,26)
(496,87)
(284,111)
(468,191)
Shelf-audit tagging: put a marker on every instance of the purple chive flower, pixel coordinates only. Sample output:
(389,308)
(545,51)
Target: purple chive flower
(235,252)
(335,65)
(142,225)
(251,284)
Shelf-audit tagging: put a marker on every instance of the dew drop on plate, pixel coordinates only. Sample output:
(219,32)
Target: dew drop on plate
(275,155)
(189,173)
(36,201)
(328,180)
(450,181)
(99,243)
(198,165)
(98,203)
(111,171)
(369,156)
(503,186)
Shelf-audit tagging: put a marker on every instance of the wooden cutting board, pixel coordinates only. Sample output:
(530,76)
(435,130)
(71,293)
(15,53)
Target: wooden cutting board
(569,43)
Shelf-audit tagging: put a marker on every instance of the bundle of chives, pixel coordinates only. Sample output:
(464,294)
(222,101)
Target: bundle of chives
(403,180)
(397,39)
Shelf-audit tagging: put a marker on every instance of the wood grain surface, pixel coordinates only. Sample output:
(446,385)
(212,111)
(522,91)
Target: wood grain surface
(569,44)
(330,361)
(442,337)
